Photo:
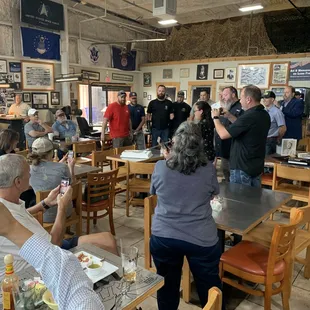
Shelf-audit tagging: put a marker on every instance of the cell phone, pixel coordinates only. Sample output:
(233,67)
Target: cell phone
(221,111)
(64,184)
(70,154)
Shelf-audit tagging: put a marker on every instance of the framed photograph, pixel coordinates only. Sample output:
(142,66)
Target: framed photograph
(40,101)
(10,78)
(122,77)
(26,97)
(147,79)
(279,74)
(91,75)
(230,75)
(15,66)
(167,74)
(3,66)
(37,76)
(55,98)
(145,94)
(253,74)
(149,97)
(202,72)
(288,147)
(17,77)
(17,86)
(218,74)
(184,73)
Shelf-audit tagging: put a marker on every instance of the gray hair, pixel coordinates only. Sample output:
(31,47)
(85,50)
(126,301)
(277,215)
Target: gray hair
(11,167)
(187,152)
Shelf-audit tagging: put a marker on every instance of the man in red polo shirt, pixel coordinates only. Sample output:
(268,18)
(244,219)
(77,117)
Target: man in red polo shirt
(118,116)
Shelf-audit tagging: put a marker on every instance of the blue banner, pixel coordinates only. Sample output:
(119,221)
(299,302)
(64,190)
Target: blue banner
(40,44)
(300,71)
(123,59)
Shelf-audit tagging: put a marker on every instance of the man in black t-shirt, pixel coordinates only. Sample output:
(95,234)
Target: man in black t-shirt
(160,112)
(249,135)
(181,112)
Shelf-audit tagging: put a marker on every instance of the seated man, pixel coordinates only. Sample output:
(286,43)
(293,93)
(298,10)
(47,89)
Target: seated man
(14,179)
(63,127)
(35,128)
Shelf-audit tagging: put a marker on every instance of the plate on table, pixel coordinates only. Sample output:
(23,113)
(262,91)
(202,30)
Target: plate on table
(87,259)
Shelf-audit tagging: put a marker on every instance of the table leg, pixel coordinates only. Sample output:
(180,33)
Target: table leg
(221,235)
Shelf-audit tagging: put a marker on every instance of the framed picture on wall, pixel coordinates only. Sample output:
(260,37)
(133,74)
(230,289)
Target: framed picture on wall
(26,97)
(167,74)
(230,75)
(40,101)
(184,73)
(15,66)
(149,97)
(253,74)
(147,79)
(202,72)
(145,94)
(3,66)
(279,74)
(218,74)
(55,98)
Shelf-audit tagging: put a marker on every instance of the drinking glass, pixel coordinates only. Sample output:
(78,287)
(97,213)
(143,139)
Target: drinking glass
(129,256)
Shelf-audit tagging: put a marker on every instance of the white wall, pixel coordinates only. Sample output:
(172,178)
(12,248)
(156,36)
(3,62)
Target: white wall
(157,74)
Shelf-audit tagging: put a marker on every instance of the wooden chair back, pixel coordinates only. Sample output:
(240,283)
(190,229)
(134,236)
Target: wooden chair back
(149,207)
(119,150)
(23,153)
(304,144)
(101,184)
(39,217)
(84,147)
(140,168)
(99,158)
(214,299)
(295,216)
(282,245)
(290,173)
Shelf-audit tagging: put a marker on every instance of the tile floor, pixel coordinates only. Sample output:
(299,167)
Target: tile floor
(130,230)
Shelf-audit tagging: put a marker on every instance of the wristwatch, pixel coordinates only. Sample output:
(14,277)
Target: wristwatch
(45,206)
(216,117)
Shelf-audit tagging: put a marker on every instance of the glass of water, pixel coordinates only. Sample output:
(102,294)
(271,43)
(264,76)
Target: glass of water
(129,256)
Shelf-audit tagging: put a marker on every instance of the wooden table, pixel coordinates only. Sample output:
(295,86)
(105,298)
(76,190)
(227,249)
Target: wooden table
(129,295)
(270,161)
(244,207)
(81,171)
(155,157)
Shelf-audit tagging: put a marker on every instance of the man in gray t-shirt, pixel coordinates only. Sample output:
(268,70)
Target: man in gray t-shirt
(35,128)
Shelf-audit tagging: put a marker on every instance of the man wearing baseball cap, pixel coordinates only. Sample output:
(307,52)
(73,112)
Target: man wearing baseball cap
(63,127)
(137,116)
(277,126)
(35,128)
(118,116)
(181,111)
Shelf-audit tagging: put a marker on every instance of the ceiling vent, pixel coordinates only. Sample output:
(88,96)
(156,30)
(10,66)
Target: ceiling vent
(165,9)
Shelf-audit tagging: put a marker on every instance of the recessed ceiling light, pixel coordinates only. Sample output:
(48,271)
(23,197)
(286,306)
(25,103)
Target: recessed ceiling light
(251,8)
(167,22)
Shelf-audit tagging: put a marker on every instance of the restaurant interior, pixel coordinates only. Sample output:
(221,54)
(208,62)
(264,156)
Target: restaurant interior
(115,109)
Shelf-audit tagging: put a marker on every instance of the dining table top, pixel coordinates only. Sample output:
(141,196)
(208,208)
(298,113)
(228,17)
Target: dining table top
(244,207)
(81,170)
(114,290)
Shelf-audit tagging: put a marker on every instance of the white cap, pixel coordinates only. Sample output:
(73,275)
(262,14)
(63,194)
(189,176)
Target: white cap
(42,145)
(32,112)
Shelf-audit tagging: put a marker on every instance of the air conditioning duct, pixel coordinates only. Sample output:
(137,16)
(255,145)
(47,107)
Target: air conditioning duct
(165,9)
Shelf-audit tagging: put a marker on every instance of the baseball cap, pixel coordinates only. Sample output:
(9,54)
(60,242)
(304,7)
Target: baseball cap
(269,94)
(133,94)
(121,93)
(297,93)
(32,112)
(181,93)
(59,112)
(42,145)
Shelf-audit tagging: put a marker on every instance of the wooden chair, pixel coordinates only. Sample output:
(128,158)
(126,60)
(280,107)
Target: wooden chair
(76,217)
(101,186)
(84,147)
(24,153)
(39,217)
(149,207)
(266,179)
(214,299)
(281,173)
(304,144)
(135,184)
(251,261)
(263,232)
(99,158)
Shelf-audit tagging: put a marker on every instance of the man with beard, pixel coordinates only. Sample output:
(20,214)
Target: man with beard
(118,116)
(293,110)
(137,116)
(63,127)
(181,112)
(231,110)
(160,111)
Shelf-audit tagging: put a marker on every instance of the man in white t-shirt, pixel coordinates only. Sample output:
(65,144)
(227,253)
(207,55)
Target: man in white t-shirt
(14,180)
(19,108)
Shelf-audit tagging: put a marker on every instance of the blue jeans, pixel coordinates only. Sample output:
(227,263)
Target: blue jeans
(168,255)
(240,177)
(162,133)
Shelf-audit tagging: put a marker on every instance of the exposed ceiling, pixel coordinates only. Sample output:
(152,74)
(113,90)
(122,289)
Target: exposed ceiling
(188,11)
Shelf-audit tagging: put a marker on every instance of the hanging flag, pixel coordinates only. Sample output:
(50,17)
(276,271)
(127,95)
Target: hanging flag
(95,55)
(124,59)
(40,44)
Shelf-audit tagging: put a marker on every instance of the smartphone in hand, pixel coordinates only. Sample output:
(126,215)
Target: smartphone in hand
(64,184)
(70,154)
